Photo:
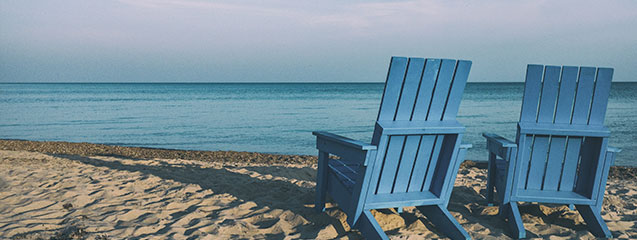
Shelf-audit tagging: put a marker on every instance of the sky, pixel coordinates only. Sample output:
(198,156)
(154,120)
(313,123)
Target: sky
(305,41)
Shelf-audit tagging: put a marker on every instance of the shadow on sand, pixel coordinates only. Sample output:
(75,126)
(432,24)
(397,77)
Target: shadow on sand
(271,193)
(275,193)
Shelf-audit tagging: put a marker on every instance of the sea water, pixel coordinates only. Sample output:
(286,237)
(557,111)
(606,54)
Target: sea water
(259,117)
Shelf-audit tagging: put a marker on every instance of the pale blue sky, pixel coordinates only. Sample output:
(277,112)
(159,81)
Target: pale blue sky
(304,41)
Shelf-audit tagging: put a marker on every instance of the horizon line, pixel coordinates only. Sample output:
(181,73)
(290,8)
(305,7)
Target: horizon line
(212,82)
(629,81)
(626,81)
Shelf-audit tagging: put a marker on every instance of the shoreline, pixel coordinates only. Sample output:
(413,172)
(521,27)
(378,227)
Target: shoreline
(93,149)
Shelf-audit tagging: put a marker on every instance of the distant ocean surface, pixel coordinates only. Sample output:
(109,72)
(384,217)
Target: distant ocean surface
(262,117)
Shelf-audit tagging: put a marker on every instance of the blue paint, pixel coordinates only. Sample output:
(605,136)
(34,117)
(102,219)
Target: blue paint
(377,176)
(542,132)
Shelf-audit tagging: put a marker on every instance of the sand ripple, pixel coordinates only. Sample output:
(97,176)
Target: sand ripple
(99,197)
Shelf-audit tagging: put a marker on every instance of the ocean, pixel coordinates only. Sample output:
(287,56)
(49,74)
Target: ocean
(256,117)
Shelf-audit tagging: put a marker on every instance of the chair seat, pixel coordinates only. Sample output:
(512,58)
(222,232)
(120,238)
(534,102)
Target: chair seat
(345,171)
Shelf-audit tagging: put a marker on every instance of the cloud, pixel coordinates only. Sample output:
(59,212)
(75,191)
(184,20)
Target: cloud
(401,16)
(330,34)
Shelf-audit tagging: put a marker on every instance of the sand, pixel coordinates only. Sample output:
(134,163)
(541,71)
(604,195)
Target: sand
(61,196)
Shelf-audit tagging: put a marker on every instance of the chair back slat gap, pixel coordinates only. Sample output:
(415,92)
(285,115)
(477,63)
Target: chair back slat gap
(400,161)
(538,162)
(548,97)
(415,166)
(382,166)
(451,83)
(566,99)
(403,172)
(393,86)
(590,107)
(387,174)
(409,91)
(441,91)
(554,162)
(457,88)
(583,96)
(425,150)
(433,162)
(532,90)
(528,162)
(402,87)
(433,93)
(563,164)
(600,96)
(426,89)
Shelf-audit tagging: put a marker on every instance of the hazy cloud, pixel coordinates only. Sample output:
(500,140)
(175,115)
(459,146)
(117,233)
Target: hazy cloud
(248,40)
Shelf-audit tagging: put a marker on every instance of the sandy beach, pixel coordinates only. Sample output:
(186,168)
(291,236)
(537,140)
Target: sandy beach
(57,190)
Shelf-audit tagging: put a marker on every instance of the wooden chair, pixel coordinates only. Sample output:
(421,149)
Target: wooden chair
(561,153)
(415,151)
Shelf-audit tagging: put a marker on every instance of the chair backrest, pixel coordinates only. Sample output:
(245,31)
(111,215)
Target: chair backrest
(561,134)
(418,93)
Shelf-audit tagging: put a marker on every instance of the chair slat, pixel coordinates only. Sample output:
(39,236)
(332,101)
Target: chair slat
(532,90)
(566,95)
(393,87)
(525,144)
(571,157)
(538,162)
(554,163)
(549,94)
(600,98)
(420,165)
(435,155)
(429,77)
(583,96)
(457,88)
(406,164)
(390,164)
(410,89)
(439,99)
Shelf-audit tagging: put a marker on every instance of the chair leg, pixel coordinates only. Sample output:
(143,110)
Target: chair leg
(369,228)
(594,220)
(511,212)
(444,221)
(321,182)
(491,177)
(503,211)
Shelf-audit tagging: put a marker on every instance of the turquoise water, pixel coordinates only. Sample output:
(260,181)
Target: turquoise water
(268,117)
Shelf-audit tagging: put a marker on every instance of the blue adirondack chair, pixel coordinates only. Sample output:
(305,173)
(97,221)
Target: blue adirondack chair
(415,151)
(561,154)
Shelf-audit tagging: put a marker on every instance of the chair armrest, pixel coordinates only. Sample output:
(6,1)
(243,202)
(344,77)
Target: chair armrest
(344,147)
(344,141)
(613,149)
(614,152)
(420,127)
(500,141)
(498,145)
